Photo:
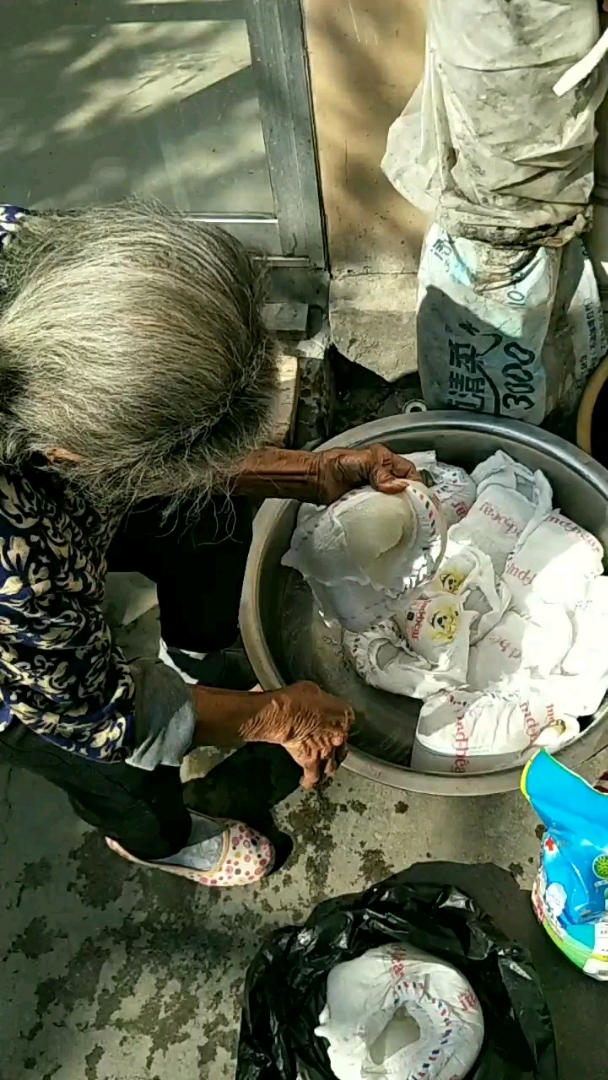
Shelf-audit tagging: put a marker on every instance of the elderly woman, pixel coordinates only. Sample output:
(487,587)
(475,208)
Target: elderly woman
(136,383)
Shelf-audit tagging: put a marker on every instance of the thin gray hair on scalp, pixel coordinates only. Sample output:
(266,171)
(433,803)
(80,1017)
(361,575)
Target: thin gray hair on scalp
(135,340)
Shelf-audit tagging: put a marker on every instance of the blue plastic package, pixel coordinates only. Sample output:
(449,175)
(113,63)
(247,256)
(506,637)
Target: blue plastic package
(570,893)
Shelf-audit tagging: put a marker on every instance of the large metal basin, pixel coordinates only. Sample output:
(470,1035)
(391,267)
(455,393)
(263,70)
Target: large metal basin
(287,641)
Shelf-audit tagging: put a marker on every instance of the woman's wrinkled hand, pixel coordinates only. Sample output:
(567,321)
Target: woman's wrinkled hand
(311,725)
(339,471)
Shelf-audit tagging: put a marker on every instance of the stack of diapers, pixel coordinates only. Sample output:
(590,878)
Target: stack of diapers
(476,597)
(395,1013)
(536,670)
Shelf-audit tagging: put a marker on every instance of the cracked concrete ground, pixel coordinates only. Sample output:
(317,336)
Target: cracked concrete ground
(110,971)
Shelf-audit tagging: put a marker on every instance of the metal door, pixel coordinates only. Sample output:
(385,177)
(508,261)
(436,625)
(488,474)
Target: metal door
(203,104)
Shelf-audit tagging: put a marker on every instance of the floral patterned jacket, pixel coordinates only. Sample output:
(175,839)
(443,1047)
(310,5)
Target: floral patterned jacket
(59,672)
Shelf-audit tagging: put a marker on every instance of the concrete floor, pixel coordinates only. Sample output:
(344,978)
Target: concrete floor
(111,972)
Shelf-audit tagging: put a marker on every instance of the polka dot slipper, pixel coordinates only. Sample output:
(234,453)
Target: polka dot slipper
(247,857)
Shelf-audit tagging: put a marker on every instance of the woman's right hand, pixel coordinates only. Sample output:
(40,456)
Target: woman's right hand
(311,725)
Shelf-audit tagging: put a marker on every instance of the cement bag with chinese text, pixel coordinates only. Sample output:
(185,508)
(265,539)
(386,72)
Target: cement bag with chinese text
(506,331)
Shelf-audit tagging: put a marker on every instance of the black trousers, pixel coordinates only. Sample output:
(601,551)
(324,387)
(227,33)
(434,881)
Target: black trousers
(197,560)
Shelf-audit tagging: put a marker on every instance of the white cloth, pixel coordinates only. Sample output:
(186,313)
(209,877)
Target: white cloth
(396,1012)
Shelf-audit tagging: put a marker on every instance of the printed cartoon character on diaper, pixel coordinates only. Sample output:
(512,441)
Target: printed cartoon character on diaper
(451,579)
(468,574)
(430,623)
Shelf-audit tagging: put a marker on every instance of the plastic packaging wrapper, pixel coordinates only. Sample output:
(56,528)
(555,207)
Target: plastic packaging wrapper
(286,987)
(570,894)
(507,331)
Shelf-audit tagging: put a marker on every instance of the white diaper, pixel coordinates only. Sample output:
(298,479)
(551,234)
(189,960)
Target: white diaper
(395,1013)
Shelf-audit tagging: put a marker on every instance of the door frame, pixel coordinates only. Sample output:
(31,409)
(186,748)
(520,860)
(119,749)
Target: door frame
(293,239)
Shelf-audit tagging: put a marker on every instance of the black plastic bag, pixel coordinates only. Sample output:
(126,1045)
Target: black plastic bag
(286,983)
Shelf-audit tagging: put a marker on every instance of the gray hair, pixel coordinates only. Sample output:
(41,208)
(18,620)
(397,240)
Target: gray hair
(135,340)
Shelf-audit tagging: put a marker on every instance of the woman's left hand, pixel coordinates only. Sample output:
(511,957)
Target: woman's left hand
(311,725)
(339,471)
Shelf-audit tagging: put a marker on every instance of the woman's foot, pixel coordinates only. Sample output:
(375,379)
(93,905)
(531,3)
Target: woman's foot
(237,856)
